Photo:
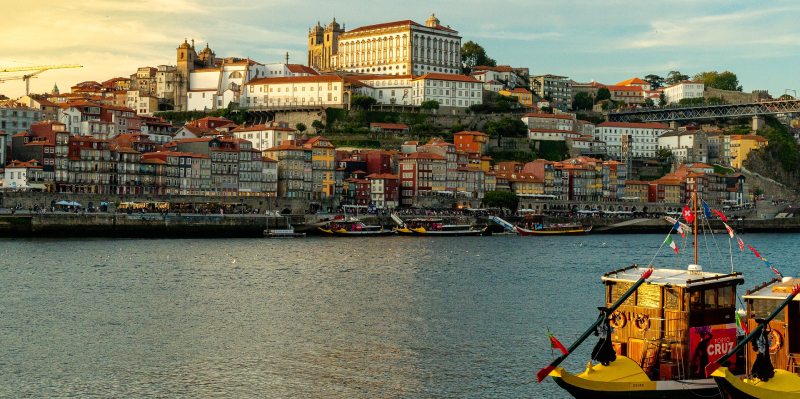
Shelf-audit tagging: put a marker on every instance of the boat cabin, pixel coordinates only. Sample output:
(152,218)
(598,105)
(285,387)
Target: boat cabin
(785,335)
(676,322)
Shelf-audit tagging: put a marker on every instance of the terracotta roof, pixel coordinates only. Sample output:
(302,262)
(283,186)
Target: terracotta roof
(296,79)
(748,137)
(632,81)
(195,140)
(262,127)
(405,22)
(471,133)
(285,146)
(32,164)
(449,77)
(297,68)
(391,126)
(550,116)
(499,68)
(268,159)
(423,155)
(633,125)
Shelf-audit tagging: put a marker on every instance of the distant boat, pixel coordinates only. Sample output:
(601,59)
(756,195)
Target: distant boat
(555,230)
(436,227)
(353,228)
(283,233)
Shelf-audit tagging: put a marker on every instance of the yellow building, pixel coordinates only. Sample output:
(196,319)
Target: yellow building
(741,145)
(523,96)
(323,167)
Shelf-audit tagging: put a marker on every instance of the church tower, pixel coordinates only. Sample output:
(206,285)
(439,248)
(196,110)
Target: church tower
(432,22)
(331,44)
(186,57)
(315,46)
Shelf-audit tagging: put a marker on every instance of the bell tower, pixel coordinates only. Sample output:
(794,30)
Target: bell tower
(186,57)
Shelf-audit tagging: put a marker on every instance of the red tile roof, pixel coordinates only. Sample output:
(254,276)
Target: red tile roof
(471,133)
(633,125)
(405,22)
(390,126)
(297,68)
(423,155)
(296,79)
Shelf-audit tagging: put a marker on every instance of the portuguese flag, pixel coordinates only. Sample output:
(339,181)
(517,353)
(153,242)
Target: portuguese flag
(741,324)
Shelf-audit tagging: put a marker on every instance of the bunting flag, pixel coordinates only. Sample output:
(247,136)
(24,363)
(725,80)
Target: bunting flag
(720,215)
(671,243)
(706,210)
(730,230)
(774,270)
(741,325)
(741,243)
(755,252)
(679,229)
(688,215)
(556,344)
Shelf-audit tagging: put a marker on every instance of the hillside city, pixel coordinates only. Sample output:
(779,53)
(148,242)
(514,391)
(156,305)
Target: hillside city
(391,115)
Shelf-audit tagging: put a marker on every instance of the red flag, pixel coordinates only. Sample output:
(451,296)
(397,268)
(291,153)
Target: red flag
(728,228)
(755,252)
(741,243)
(687,214)
(556,344)
(720,214)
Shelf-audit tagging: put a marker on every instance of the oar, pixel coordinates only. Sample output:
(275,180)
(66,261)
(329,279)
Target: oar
(546,371)
(711,367)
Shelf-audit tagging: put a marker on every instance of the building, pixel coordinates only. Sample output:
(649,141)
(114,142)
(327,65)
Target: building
(421,174)
(590,88)
(742,145)
(49,110)
(218,86)
(389,128)
(384,190)
(523,96)
(556,89)
(387,89)
(299,92)
(551,127)
(471,142)
(23,176)
(15,117)
(686,146)
(686,89)
(635,82)
(90,166)
(295,177)
(628,94)
(266,135)
(3,147)
(323,167)
(393,48)
(450,91)
(638,140)
(180,173)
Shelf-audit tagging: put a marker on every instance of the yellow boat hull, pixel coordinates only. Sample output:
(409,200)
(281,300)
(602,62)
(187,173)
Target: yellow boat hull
(784,385)
(624,379)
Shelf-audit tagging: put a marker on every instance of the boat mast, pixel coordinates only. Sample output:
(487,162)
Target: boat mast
(694,222)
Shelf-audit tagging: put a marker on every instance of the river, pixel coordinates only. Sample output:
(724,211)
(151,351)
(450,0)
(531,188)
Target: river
(392,317)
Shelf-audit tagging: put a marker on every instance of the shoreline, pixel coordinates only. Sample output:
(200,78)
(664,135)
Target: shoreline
(154,225)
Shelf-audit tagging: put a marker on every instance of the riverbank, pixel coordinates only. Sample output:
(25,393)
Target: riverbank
(155,225)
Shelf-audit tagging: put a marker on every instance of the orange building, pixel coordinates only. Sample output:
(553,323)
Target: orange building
(471,142)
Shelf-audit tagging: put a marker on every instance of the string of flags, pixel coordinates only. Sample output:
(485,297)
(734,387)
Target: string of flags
(689,217)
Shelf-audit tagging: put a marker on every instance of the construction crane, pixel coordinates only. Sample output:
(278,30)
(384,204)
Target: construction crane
(37,70)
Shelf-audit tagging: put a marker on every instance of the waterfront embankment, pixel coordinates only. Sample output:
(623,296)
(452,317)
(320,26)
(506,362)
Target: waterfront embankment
(153,225)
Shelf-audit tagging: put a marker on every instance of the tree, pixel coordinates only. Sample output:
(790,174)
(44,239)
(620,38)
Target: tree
(786,97)
(506,127)
(662,99)
(655,81)
(472,55)
(602,94)
(582,101)
(648,102)
(429,104)
(301,127)
(664,155)
(674,77)
(719,80)
(318,125)
(363,102)
(501,199)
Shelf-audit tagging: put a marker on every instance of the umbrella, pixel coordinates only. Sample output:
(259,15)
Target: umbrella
(73,203)
(62,202)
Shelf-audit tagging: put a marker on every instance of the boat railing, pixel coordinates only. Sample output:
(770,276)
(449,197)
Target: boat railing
(794,363)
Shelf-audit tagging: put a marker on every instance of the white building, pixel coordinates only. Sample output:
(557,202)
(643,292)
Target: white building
(641,141)
(457,91)
(264,136)
(504,73)
(551,127)
(686,89)
(216,87)
(3,147)
(394,48)
(388,89)
(686,147)
(23,175)
(301,91)
(15,117)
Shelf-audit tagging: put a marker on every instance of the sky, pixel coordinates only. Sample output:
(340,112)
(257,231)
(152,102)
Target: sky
(606,41)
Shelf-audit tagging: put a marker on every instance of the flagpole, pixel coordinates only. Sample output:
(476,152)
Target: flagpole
(694,226)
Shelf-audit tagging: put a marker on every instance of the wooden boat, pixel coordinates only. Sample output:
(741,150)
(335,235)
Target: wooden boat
(288,232)
(774,357)
(555,230)
(655,339)
(435,227)
(353,228)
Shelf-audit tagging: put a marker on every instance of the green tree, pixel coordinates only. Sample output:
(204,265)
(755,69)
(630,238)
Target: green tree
(674,77)
(301,127)
(472,55)
(501,199)
(429,105)
(582,101)
(602,94)
(726,80)
(664,155)
(662,98)
(318,125)
(648,102)
(506,127)
(363,102)
(655,81)
(786,97)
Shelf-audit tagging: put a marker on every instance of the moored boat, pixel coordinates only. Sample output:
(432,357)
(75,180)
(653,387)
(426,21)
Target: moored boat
(772,348)
(436,227)
(555,230)
(656,339)
(353,228)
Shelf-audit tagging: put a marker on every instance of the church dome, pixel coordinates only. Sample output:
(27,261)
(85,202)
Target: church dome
(432,22)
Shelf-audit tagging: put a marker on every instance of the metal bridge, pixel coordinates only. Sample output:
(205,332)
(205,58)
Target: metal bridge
(670,114)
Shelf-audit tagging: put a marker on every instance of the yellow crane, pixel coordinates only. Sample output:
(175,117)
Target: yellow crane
(36,70)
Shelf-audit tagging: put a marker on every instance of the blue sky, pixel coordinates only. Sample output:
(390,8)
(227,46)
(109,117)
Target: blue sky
(607,41)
